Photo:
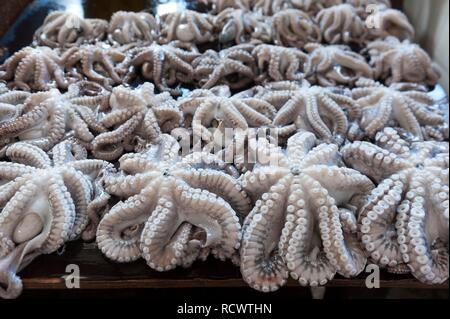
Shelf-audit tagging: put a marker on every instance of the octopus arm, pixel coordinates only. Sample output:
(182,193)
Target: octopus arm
(203,160)
(90,167)
(311,232)
(341,183)
(261,179)
(119,232)
(254,118)
(379,218)
(262,266)
(323,154)
(8,190)
(372,160)
(424,239)
(10,171)
(29,155)
(289,111)
(314,118)
(81,193)
(125,185)
(225,186)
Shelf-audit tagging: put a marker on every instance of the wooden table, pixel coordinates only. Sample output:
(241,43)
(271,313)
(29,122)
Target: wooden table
(97,272)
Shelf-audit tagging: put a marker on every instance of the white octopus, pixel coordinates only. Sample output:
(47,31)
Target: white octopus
(396,61)
(341,24)
(233,66)
(133,119)
(413,110)
(332,65)
(173,209)
(38,68)
(406,218)
(277,63)
(128,27)
(385,22)
(312,108)
(303,223)
(65,29)
(294,28)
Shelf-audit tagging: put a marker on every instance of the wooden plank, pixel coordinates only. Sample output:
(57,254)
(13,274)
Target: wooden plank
(96,272)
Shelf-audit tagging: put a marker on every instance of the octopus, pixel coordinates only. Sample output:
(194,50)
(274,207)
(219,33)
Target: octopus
(341,24)
(127,27)
(294,28)
(303,223)
(413,110)
(311,108)
(65,29)
(386,22)
(217,112)
(166,65)
(401,61)
(38,68)
(174,210)
(242,26)
(187,26)
(404,224)
(233,67)
(133,119)
(43,204)
(277,63)
(334,65)
(95,63)
(46,118)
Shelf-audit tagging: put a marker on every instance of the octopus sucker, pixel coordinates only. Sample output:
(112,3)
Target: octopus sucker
(165,64)
(341,24)
(133,114)
(231,112)
(46,117)
(43,205)
(241,26)
(301,194)
(277,63)
(405,219)
(294,28)
(94,62)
